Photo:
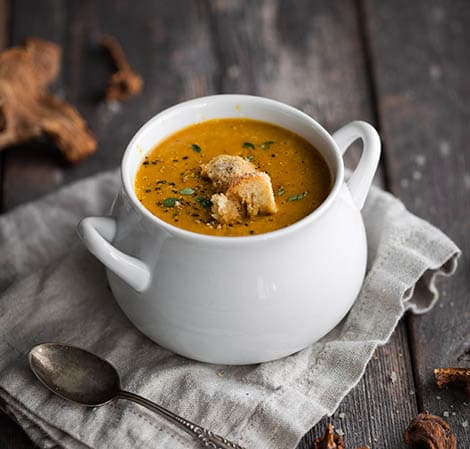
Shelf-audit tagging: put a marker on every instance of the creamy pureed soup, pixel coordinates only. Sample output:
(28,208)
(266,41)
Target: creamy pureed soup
(169,182)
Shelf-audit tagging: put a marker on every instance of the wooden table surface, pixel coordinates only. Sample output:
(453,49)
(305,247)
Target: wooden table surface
(402,65)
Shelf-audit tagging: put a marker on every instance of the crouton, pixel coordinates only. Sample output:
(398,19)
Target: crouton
(255,192)
(242,190)
(224,169)
(225,210)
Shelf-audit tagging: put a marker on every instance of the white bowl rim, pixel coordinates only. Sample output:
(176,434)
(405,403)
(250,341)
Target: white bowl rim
(231,240)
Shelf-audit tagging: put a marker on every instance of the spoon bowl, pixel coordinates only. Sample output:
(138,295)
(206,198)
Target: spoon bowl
(75,374)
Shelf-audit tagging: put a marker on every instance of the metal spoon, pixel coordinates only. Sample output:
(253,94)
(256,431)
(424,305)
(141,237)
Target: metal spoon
(80,376)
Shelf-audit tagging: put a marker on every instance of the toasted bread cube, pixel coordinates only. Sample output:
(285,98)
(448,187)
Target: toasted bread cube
(223,169)
(255,192)
(225,210)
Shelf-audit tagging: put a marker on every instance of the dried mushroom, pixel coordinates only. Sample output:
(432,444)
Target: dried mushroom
(428,431)
(124,83)
(28,109)
(453,377)
(330,440)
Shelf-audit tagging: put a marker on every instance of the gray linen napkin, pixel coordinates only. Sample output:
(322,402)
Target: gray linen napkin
(51,289)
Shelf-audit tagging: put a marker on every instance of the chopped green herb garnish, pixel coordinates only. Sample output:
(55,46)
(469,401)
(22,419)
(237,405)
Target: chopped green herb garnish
(187,191)
(298,197)
(248,145)
(195,147)
(281,191)
(249,158)
(267,144)
(204,202)
(169,202)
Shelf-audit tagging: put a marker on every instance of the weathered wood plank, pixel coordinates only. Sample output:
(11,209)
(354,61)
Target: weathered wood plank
(311,56)
(420,53)
(293,55)
(171,51)
(4,23)
(4,40)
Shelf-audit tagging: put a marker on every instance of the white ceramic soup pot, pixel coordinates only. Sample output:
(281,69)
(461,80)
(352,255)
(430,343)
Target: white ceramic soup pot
(238,300)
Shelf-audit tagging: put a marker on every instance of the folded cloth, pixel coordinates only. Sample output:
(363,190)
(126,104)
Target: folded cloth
(51,289)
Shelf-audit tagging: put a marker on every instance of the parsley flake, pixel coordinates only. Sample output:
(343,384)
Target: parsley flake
(298,197)
(248,145)
(169,202)
(195,147)
(204,202)
(187,191)
(267,144)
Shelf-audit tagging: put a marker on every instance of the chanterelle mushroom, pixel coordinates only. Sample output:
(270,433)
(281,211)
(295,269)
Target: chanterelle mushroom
(28,109)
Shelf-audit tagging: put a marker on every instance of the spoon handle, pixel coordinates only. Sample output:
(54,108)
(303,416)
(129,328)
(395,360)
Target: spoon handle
(206,437)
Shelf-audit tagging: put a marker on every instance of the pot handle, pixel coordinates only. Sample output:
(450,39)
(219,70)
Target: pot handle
(96,233)
(361,180)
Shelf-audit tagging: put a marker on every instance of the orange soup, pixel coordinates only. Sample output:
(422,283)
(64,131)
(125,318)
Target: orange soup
(169,182)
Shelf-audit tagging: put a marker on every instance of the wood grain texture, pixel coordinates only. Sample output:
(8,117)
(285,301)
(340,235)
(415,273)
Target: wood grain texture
(293,54)
(420,51)
(4,23)
(4,40)
(309,56)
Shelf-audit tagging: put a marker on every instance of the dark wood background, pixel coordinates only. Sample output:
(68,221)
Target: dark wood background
(402,65)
